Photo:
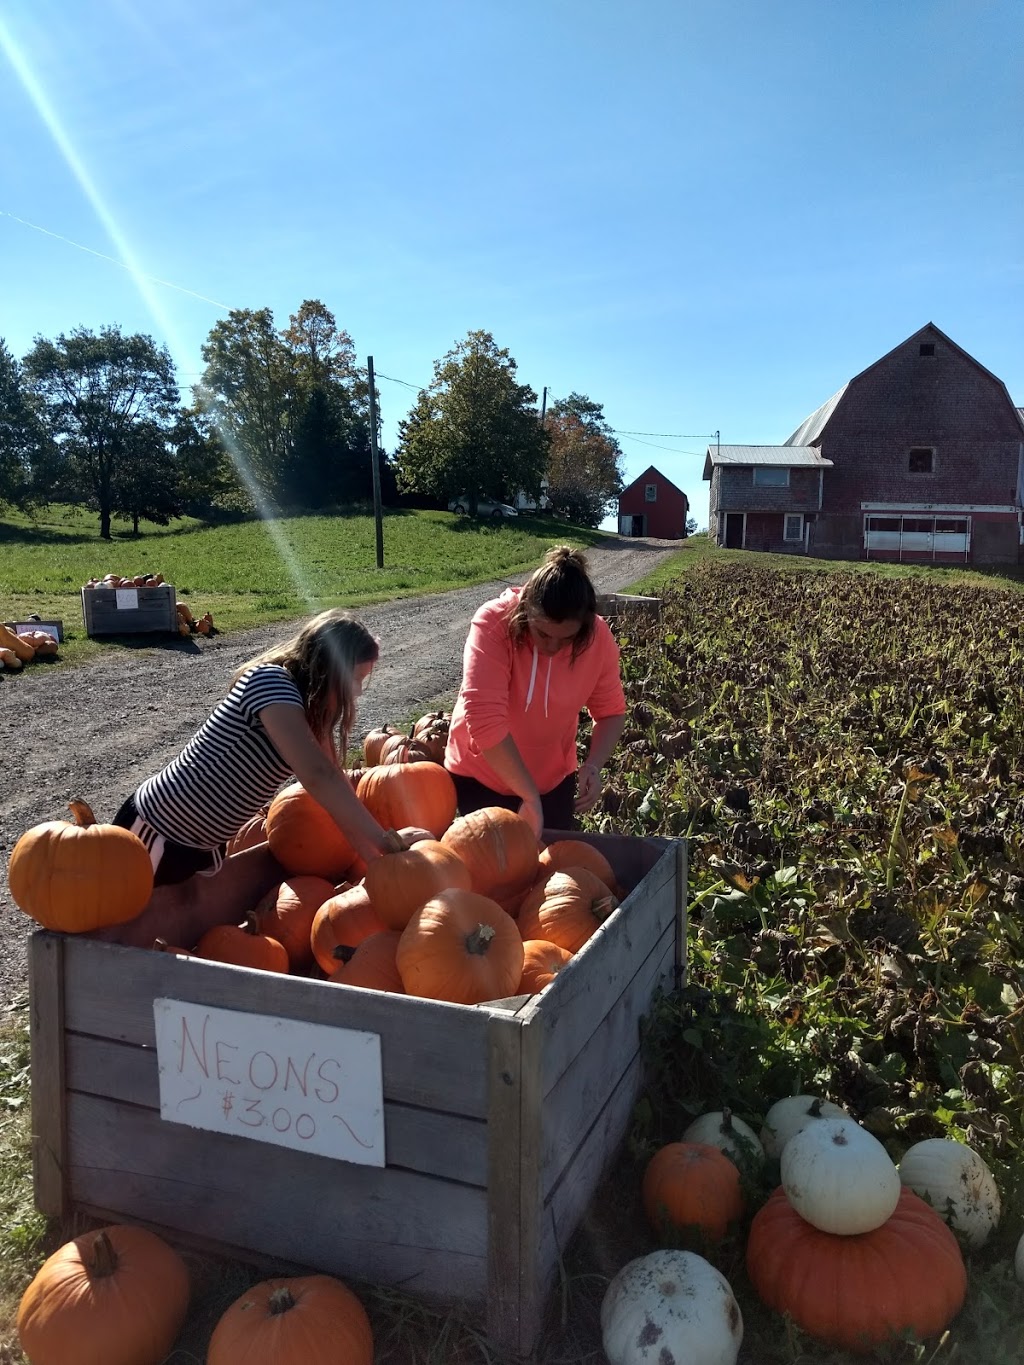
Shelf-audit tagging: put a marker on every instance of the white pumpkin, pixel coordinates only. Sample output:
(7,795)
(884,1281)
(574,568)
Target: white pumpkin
(1018,1262)
(670,1305)
(722,1129)
(954,1179)
(839,1177)
(788,1116)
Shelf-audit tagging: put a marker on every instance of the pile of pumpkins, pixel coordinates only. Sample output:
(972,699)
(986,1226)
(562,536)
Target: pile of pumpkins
(120,1295)
(18,648)
(464,909)
(854,1249)
(113,580)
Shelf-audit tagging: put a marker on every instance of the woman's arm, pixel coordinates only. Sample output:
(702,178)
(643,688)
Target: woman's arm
(507,762)
(291,736)
(603,739)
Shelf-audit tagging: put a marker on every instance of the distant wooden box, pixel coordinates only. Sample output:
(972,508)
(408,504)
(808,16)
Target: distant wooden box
(616,605)
(500,1120)
(54,628)
(129,611)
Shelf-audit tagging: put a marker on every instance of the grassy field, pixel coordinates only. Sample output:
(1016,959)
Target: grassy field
(253,572)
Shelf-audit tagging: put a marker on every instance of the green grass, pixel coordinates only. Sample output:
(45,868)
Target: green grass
(253,572)
(22,1230)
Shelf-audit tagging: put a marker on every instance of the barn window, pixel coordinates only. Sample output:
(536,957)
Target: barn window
(927,348)
(794,527)
(650,492)
(770,476)
(921,460)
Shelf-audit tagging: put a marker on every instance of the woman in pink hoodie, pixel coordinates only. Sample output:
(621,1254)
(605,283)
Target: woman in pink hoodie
(534,657)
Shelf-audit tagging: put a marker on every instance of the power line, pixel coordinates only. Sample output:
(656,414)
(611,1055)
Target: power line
(669,435)
(403,382)
(671,450)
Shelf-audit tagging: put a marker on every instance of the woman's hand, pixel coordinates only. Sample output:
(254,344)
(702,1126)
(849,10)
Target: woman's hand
(532,813)
(588,788)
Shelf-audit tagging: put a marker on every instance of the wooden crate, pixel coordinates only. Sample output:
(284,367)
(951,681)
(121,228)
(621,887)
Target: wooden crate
(129,611)
(615,605)
(499,1119)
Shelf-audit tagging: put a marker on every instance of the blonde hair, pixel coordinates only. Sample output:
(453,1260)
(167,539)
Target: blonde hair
(561,590)
(322,659)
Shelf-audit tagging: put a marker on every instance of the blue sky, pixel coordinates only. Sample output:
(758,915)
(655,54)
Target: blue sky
(704,214)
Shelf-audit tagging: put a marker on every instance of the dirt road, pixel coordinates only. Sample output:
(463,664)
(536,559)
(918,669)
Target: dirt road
(97,731)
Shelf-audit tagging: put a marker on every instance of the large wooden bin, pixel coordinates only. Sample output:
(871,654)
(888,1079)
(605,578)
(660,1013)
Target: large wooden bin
(500,1119)
(129,611)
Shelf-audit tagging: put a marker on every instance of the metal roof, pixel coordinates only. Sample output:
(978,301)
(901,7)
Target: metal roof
(784,456)
(810,428)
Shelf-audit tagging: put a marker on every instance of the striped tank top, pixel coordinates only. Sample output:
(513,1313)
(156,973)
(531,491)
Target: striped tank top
(229,769)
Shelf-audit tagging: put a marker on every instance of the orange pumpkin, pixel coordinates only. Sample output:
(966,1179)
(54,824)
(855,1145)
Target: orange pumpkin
(304,838)
(372,965)
(288,914)
(692,1187)
(253,832)
(312,1319)
(404,749)
(243,945)
(399,794)
(461,947)
(342,923)
(113,1297)
(498,847)
(374,742)
(567,909)
(399,883)
(542,961)
(81,876)
(857,1292)
(565,853)
(432,732)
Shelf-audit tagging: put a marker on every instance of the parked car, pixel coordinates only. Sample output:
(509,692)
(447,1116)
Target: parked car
(486,507)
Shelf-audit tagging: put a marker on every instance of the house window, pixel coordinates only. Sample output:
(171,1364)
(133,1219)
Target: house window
(794,526)
(650,492)
(770,476)
(921,460)
(927,348)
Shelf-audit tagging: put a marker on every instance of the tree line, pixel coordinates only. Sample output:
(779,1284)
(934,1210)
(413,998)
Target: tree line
(280,420)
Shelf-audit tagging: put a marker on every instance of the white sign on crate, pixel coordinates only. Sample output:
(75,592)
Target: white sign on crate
(299,1085)
(127,599)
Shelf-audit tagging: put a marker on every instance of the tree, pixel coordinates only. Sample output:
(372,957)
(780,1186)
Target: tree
(584,460)
(94,390)
(691,526)
(24,470)
(207,478)
(474,430)
(145,484)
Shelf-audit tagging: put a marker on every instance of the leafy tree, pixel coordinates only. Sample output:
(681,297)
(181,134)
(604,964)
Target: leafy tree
(93,391)
(145,485)
(207,479)
(24,470)
(691,526)
(584,460)
(474,430)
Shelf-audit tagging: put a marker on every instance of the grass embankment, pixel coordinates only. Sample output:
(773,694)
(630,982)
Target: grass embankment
(251,573)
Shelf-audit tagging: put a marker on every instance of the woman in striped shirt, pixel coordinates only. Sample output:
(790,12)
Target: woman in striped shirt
(288,714)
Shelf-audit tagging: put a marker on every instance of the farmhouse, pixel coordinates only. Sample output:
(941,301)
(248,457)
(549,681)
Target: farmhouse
(653,506)
(919,457)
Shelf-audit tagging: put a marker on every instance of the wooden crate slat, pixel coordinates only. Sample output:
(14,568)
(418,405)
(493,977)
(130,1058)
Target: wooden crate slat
(433,1055)
(46,1040)
(503,1122)
(588,986)
(416,1139)
(227,1187)
(583,1090)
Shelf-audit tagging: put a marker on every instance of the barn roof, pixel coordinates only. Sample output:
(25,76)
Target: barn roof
(786,456)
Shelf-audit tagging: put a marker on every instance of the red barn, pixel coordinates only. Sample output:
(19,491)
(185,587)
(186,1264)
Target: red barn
(653,506)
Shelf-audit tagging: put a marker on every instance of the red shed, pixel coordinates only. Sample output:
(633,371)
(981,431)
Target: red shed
(653,506)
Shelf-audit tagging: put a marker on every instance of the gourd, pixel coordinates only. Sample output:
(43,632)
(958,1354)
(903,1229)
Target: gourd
(722,1129)
(253,832)
(8,659)
(400,794)
(404,749)
(566,853)
(288,912)
(372,964)
(117,1296)
(399,883)
(242,945)
(670,1306)
(374,742)
(542,961)
(304,838)
(954,1179)
(567,909)
(858,1292)
(693,1188)
(11,640)
(80,876)
(340,925)
(309,1320)
(499,848)
(787,1116)
(839,1177)
(461,947)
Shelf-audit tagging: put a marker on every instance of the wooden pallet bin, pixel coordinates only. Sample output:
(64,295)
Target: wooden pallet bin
(500,1119)
(154,609)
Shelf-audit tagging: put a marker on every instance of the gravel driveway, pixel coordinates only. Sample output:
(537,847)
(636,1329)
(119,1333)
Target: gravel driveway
(98,730)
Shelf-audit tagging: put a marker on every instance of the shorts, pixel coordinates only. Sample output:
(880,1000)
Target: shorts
(172,862)
(556,805)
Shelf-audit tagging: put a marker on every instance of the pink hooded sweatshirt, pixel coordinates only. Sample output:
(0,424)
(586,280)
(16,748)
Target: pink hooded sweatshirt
(512,689)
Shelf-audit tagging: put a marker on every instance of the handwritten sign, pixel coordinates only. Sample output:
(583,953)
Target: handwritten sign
(127,599)
(306,1086)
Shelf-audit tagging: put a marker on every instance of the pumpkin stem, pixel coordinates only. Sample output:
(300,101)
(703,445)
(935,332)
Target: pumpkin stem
(252,923)
(726,1125)
(280,1301)
(343,952)
(602,908)
(393,841)
(82,812)
(479,940)
(814,1111)
(102,1260)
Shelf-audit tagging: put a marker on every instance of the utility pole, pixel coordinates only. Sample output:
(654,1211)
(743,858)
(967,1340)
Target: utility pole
(544,405)
(375,462)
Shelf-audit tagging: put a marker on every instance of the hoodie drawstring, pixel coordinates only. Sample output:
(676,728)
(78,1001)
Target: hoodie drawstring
(533,680)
